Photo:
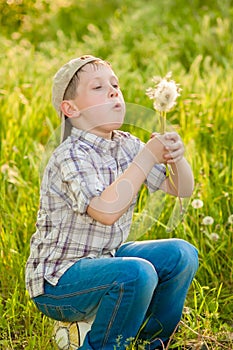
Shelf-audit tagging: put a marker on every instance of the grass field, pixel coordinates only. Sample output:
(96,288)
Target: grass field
(194,40)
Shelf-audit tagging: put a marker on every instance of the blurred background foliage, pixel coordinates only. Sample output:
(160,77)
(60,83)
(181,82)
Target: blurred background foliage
(190,28)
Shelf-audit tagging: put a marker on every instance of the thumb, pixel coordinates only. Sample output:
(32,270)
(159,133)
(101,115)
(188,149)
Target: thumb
(154,134)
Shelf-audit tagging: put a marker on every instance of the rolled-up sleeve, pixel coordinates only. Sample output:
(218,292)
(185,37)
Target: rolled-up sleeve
(156,176)
(82,182)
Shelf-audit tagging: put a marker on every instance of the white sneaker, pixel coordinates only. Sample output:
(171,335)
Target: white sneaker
(70,335)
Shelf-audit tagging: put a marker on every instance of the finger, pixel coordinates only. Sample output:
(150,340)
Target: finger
(172,136)
(173,161)
(171,147)
(173,156)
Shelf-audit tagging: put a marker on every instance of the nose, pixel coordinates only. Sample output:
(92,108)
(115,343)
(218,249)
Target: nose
(113,92)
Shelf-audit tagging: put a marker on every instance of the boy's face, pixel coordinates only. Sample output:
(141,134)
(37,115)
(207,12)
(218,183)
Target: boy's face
(99,100)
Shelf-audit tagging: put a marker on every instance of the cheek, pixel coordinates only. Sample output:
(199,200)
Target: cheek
(86,102)
(98,105)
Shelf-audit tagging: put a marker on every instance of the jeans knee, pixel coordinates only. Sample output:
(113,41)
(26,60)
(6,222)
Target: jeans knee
(188,255)
(145,274)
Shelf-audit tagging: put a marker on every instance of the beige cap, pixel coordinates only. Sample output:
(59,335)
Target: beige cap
(60,83)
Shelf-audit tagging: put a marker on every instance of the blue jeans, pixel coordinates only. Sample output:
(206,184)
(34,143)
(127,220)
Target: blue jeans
(146,280)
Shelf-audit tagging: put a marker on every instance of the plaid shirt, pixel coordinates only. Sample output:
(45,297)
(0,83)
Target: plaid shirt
(80,169)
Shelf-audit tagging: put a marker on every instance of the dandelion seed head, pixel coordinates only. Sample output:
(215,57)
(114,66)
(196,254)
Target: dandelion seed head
(230,219)
(164,93)
(208,220)
(197,203)
(214,236)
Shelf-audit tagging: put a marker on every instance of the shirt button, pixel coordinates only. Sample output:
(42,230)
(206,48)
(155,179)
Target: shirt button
(83,184)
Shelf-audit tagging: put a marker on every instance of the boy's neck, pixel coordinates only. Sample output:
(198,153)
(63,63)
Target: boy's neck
(105,135)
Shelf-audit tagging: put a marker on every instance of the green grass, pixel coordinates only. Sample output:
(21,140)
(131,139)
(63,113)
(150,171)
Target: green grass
(140,38)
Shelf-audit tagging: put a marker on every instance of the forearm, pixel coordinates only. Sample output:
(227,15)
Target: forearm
(180,181)
(116,198)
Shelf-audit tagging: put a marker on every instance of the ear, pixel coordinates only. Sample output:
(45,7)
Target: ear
(69,109)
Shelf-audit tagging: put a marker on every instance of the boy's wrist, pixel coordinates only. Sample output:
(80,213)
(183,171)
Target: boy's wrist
(145,160)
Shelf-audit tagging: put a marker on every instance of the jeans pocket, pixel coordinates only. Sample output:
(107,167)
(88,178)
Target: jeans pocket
(61,313)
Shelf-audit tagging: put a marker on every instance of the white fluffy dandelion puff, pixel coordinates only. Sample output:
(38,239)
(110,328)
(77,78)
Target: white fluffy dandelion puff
(214,236)
(230,219)
(164,93)
(208,220)
(197,203)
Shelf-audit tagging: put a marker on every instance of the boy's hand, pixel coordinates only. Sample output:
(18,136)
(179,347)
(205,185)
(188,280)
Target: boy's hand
(174,148)
(166,148)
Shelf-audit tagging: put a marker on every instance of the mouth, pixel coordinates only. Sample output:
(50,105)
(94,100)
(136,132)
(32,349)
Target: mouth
(117,106)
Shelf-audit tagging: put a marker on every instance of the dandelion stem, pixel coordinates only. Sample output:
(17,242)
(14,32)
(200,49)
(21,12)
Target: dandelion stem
(163,122)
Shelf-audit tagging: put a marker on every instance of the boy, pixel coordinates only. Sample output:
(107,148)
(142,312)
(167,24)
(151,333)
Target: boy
(79,265)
